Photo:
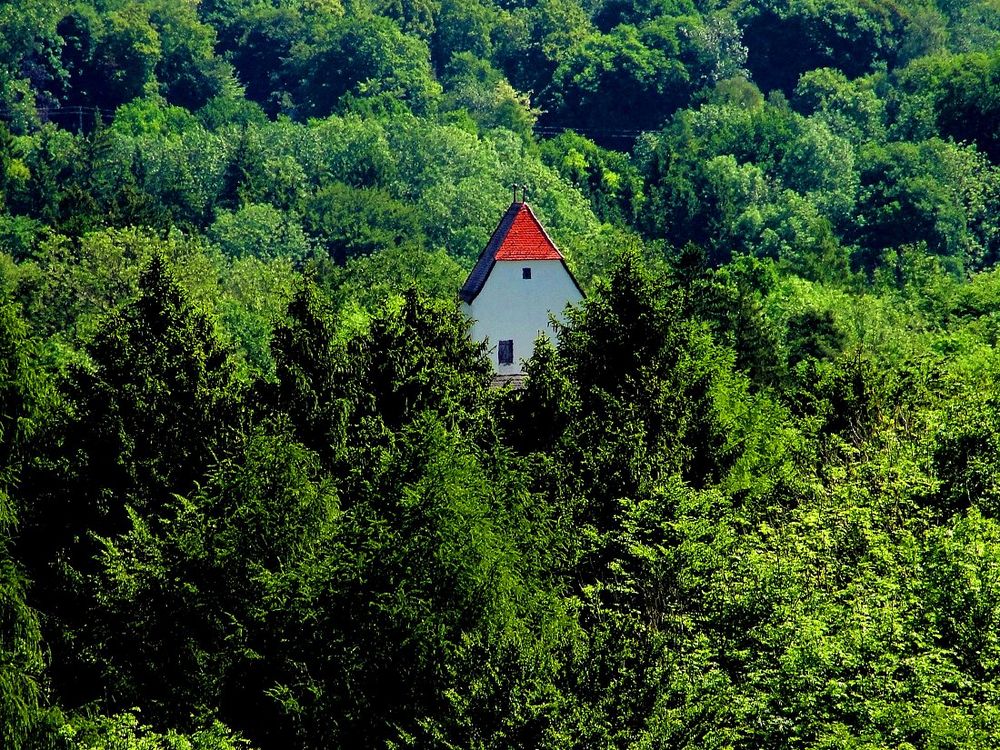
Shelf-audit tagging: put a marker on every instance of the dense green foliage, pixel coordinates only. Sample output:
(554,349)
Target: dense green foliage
(256,489)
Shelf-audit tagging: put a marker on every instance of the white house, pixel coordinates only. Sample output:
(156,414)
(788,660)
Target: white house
(520,278)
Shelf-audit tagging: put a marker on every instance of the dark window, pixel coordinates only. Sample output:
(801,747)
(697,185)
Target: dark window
(505,352)
(525,273)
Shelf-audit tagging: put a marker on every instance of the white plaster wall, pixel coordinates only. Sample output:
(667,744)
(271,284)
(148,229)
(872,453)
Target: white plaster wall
(509,307)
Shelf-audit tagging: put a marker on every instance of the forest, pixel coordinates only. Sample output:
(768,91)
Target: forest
(256,489)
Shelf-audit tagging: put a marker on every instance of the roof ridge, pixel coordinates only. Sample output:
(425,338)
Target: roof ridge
(525,209)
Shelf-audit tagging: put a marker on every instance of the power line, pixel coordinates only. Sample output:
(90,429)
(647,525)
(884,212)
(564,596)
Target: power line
(549,129)
(49,114)
(629,134)
(47,111)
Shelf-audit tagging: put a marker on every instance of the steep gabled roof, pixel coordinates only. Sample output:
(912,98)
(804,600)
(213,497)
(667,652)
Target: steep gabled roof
(518,236)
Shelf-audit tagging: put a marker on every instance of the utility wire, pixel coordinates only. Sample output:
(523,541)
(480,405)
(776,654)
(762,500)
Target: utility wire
(548,129)
(603,133)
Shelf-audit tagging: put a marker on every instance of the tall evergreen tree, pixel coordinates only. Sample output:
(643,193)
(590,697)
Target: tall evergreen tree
(144,419)
(20,640)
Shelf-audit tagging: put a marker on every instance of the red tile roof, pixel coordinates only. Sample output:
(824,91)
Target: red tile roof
(518,237)
(525,239)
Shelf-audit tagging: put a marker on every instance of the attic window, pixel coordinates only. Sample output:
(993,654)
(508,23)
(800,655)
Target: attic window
(525,273)
(505,352)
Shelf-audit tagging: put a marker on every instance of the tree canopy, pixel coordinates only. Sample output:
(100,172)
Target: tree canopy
(257,487)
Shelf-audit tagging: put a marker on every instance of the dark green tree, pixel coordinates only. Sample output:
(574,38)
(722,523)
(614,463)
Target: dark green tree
(22,397)
(313,377)
(144,419)
(364,65)
(351,222)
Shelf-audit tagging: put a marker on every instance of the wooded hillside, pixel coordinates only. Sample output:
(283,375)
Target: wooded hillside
(256,490)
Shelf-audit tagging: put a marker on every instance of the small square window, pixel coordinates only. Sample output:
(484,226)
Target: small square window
(505,352)
(525,273)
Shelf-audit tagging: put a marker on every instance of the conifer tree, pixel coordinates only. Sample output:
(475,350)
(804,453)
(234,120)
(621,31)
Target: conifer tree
(154,408)
(20,641)
(313,377)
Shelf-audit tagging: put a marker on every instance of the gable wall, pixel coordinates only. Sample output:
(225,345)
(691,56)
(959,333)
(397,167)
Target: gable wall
(509,307)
